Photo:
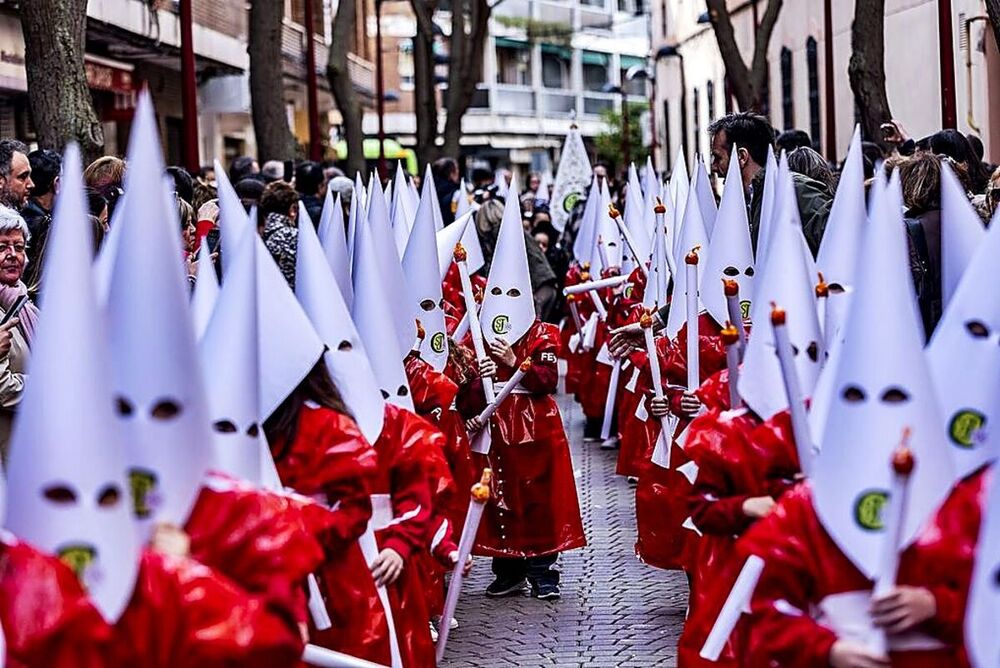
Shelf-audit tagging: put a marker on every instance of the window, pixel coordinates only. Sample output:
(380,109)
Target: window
(555,66)
(595,70)
(696,112)
(814,112)
(710,98)
(405,64)
(787,95)
(513,62)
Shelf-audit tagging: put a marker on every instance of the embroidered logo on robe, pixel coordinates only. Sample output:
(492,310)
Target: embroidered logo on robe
(868,509)
(78,557)
(145,498)
(569,201)
(437,342)
(745,309)
(501,324)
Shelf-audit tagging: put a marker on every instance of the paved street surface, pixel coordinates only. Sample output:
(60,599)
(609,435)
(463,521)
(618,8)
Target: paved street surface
(614,611)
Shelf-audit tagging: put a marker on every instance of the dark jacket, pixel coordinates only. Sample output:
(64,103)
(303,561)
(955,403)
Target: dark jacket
(923,236)
(814,201)
(445,194)
(314,206)
(39,221)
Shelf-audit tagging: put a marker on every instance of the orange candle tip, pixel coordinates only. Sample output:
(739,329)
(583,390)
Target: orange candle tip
(646,320)
(729,334)
(585,277)
(526,365)
(692,257)
(822,288)
(612,211)
(570,299)
(481,490)
(659,208)
(903,460)
(730,287)
(421,333)
(777,314)
(460,254)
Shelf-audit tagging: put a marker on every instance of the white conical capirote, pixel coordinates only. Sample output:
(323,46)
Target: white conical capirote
(333,236)
(635,223)
(420,265)
(651,190)
(289,347)
(658,282)
(838,251)
(429,184)
(155,366)
(447,238)
(401,217)
(66,437)
(357,212)
(608,234)
(500,180)
(767,207)
(706,197)
(732,253)
(962,232)
(230,364)
(345,357)
(787,282)
(983,610)
(462,203)
(374,318)
(573,176)
(376,229)
(585,244)
(206,291)
(544,184)
(882,386)
(691,234)
(231,227)
(964,358)
(678,189)
(508,310)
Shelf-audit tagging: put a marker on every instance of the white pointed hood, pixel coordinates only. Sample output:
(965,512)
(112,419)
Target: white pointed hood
(544,184)
(155,367)
(678,188)
(608,233)
(962,232)
(420,265)
(732,254)
(333,236)
(585,244)
(767,207)
(68,489)
(651,190)
(206,291)
(357,212)
(692,233)
(983,610)
(573,176)
(462,203)
(429,184)
(706,197)
(881,387)
(230,365)
(500,180)
(655,294)
(373,314)
(635,222)
(787,282)
(231,228)
(508,310)
(838,251)
(401,218)
(473,247)
(345,356)
(447,238)
(376,227)
(964,358)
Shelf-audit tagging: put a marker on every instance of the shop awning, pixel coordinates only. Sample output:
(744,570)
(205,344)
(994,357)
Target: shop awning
(560,51)
(595,58)
(631,61)
(508,43)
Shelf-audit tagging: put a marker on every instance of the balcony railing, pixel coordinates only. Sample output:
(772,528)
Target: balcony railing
(557,103)
(519,100)
(596,103)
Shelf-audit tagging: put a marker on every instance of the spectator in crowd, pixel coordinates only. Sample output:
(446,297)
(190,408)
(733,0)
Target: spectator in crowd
(446,183)
(17,334)
(534,183)
(753,134)
(106,175)
(331,171)
(183,183)
(991,198)
(921,179)
(273,170)
(97,206)
(242,167)
(953,144)
(15,174)
(250,191)
(310,182)
(344,187)
(45,168)
(789,140)
(808,162)
(279,209)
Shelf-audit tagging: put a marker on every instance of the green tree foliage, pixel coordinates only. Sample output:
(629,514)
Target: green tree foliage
(610,144)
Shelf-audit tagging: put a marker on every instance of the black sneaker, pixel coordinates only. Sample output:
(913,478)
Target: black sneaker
(505,587)
(546,591)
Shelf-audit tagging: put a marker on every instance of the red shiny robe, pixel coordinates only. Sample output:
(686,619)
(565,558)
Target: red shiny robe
(257,539)
(451,289)
(402,475)
(184,614)
(661,498)
(595,384)
(578,362)
(331,461)
(803,565)
(738,457)
(47,619)
(534,509)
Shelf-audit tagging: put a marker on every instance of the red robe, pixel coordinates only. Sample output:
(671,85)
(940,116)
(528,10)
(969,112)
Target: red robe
(47,619)
(803,566)
(594,386)
(331,461)
(184,614)
(259,541)
(738,458)
(402,521)
(534,509)
(578,362)
(661,498)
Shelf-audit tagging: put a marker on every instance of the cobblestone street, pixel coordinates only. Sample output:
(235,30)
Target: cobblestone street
(614,610)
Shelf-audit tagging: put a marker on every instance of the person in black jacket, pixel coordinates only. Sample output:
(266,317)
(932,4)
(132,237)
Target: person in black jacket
(445,172)
(310,182)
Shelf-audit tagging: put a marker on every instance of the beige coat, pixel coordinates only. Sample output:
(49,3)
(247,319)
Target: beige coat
(12,378)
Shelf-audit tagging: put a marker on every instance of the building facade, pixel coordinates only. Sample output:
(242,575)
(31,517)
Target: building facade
(797,66)
(532,88)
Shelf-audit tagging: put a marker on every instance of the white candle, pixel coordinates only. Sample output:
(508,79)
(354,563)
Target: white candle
(737,601)
(691,292)
(793,391)
(474,325)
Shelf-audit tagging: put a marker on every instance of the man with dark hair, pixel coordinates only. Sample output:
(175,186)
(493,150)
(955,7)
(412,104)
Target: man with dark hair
(183,183)
(789,140)
(45,167)
(243,167)
(310,182)
(249,191)
(752,135)
(15,174)
(446,184)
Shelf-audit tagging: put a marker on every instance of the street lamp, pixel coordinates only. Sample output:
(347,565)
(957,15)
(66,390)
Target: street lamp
(642,72)
(673,51)
(611,88)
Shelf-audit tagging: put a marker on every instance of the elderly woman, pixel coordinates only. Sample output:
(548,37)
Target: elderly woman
(17,332)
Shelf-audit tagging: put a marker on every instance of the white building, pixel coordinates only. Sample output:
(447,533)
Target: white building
(797,97)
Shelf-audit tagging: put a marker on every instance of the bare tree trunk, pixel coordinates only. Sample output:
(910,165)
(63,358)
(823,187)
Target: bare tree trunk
(424,86)
(270,123)
(61,105)
(749,83)
(469,25)
(867,67)
(337,72)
